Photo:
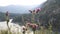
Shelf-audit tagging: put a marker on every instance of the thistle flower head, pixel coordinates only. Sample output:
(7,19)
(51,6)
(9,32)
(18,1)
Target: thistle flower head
(7,13)
(30,11)
(37,10)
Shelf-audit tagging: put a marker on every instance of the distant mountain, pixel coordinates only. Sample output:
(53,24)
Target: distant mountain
(16,8)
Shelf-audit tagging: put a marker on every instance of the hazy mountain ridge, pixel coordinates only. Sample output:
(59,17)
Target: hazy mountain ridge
(16,8)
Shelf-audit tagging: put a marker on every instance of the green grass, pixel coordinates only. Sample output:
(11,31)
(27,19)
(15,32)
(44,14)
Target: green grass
(7,32)
(36,32)
(45,32)
(3,32)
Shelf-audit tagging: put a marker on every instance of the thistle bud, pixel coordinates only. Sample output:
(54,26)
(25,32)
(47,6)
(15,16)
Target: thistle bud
(30,11)
(37,11)
(23,27)
(7,13)
(28,24)
(34,12)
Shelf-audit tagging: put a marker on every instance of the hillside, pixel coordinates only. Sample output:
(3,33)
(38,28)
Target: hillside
(11,15)
(50,13)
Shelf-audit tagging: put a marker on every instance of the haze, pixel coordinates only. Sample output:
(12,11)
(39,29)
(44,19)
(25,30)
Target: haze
(21,2)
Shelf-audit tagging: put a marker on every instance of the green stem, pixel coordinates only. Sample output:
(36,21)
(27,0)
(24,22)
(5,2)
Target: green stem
(9,32)
(34,32)
(33,17)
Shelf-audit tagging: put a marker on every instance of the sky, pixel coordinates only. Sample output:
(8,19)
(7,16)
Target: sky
(21,2)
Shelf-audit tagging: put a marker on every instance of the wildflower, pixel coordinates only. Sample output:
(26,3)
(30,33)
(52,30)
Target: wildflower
(29,23)
(24,29)
(33,12)
(37,10)
(7,17)
(7,13)
(30,11)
